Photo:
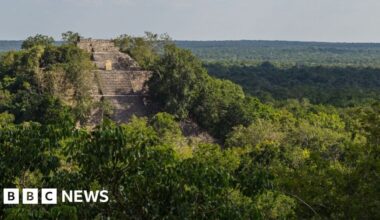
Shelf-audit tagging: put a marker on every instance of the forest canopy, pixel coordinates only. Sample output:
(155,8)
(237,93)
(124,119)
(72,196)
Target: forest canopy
(287,158)
(338,86)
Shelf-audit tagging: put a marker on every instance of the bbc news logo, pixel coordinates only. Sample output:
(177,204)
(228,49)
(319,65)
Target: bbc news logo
(50,196)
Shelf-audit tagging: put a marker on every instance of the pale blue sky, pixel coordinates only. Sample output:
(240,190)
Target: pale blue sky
(308,20)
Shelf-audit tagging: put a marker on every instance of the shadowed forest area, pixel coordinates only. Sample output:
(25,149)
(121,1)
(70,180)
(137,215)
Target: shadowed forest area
(338,86)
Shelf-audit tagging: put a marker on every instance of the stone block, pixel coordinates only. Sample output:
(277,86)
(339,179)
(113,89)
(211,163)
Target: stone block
(108,65)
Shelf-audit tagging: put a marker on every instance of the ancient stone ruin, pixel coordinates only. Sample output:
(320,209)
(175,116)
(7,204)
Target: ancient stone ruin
(118,80)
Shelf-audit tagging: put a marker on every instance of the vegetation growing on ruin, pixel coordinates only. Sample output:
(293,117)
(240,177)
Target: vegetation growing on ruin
(42,77)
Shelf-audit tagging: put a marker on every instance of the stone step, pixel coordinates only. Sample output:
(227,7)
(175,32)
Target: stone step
(119,60)
(106,56)
(115,83)
(121,85)
(124,107)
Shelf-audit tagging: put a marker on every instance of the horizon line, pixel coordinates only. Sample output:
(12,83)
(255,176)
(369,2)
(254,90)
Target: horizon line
(237,40)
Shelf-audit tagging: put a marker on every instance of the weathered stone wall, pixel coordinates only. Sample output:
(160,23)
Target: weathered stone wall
(91,45)
(139,79)
(113,83)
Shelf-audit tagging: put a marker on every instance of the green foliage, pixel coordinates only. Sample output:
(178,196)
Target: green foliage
(334,85)
(182,86)
(261,131)
(70,37)
(167,128)
(38,40)
(270,170)
(5,119)
(30,79)
(145,49)
(274,205)
(215,103)
(286,53)
(177,81)
(292,160)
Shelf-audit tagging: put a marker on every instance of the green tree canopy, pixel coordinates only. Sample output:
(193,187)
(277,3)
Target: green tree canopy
(38,40)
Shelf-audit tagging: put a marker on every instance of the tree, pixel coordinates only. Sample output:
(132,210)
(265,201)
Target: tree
(70,37)
(29,78)
(146,49)
(38,40)
(177,81)
(168,129)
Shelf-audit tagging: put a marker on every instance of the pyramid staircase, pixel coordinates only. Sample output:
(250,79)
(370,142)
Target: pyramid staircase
(118,80)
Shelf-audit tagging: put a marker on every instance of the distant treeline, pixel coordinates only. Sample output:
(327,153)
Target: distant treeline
(7,45)
(339,86)
(10,45)
(286,52)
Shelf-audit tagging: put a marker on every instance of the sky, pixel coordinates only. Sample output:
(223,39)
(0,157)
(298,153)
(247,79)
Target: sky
(305,20)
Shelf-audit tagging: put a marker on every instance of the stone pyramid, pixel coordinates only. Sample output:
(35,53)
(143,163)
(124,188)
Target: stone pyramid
(118,79)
